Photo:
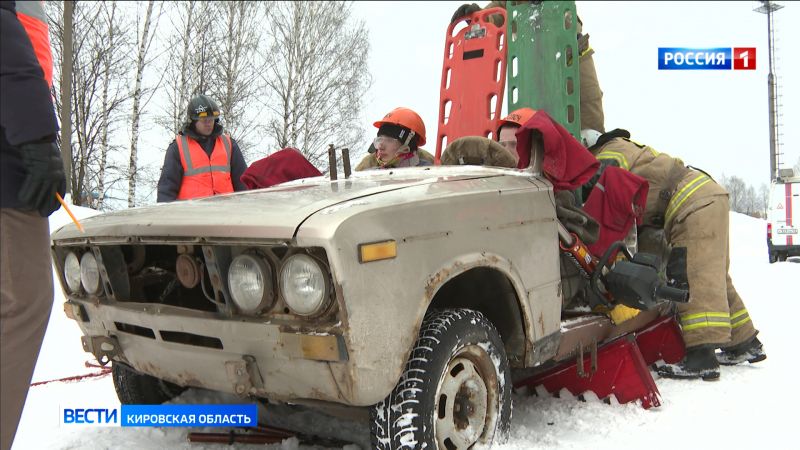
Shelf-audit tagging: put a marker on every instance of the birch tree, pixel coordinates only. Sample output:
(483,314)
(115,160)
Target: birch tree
(97,96)
(108,61)
(144,43)
(236,77)
(315,75)
(188,66)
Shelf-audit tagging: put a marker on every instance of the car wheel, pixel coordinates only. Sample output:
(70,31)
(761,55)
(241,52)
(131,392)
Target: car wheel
(455,392)
(134,388)
(773,257)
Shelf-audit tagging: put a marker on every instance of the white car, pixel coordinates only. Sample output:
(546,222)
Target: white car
(410,294)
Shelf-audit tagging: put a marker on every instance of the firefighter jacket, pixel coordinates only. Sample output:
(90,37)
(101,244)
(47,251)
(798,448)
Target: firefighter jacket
(27,113)
(675,189)
(479,151)
(198,166)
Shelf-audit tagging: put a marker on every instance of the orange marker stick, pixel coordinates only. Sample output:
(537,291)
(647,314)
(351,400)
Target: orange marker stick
(71,216)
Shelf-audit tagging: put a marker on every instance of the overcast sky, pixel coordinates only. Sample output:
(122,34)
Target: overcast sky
(714,120)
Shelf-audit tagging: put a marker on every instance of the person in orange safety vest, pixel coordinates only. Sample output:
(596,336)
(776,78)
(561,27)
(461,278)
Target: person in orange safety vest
(202,161)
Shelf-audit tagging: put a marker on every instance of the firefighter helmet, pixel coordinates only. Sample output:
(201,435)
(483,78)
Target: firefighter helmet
(589,137)
(201,106)
(518,118)
(405,118)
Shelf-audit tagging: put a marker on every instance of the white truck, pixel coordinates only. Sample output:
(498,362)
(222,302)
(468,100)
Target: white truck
(783,240)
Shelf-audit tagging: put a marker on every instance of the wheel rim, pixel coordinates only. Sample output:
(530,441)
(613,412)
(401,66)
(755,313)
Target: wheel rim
(466,401)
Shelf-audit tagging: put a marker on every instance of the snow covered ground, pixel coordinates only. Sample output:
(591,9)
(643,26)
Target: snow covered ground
(750,407)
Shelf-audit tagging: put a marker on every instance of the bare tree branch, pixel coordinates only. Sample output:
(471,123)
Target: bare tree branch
(98,94)
(235,71)
(316,76)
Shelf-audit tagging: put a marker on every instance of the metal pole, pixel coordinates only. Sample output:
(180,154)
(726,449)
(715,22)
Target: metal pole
(773,144)
(332,162)
(346,162)
(773,160)
(66,89)
(769,8)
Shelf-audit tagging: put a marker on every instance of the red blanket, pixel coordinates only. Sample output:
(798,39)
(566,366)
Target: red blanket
(616,202)
(282,166)
(567,163)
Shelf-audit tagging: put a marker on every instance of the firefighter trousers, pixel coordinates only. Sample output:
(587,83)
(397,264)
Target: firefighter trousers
(715,313)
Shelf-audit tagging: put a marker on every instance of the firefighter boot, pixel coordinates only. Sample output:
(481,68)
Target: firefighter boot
(700,362)
(751,351)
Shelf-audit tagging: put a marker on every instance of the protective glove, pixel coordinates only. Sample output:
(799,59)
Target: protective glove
(621,313)
(465,10)
(45,177)
(583,44)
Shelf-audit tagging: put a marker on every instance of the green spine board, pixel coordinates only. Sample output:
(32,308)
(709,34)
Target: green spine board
(540,42)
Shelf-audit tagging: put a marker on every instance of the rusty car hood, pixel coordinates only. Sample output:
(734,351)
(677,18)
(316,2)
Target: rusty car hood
(272,213)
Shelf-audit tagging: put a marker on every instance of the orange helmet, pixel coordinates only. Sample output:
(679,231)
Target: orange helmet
(406,118)
(518,117)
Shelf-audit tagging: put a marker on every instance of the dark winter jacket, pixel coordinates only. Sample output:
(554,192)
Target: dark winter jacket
(172,172)
(26,110)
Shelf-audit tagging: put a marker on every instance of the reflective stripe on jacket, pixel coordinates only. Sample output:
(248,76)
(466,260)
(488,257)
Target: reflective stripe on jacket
(204,176)
(673,186)
(32,17)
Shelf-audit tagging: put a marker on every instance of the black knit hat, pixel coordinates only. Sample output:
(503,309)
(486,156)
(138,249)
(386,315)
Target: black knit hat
(396,132)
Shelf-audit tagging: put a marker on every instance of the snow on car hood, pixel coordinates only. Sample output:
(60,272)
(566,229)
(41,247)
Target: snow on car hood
(273,213)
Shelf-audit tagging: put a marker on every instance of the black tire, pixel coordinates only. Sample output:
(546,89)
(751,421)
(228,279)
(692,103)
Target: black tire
(134,388)
(458,352)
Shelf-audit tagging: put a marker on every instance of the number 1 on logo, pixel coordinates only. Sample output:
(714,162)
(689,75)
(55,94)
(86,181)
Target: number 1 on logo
(744,58)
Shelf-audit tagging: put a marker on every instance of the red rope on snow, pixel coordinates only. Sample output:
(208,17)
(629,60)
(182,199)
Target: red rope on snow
(103,372)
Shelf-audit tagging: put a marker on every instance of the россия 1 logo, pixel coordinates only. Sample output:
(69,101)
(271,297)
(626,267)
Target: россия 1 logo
(722,58)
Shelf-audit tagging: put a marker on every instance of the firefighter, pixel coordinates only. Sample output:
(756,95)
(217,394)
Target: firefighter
(202,160)
(31,173)
(508,126)
(401,132)
(591,101)
(693,211)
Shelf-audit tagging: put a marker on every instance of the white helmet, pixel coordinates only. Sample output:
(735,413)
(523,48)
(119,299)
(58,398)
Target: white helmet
(589,137)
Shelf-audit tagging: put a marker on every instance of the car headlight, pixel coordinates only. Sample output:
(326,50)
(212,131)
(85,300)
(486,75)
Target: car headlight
(250,283)
(90,273)
(303,284)
(72,272)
